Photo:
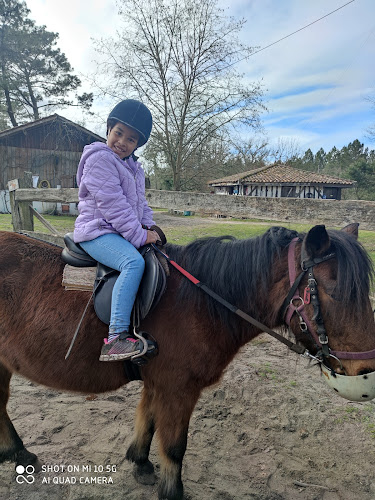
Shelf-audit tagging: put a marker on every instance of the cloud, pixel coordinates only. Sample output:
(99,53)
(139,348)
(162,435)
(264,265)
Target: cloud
(316,79)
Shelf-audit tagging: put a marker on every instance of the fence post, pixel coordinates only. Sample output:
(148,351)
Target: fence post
(22,218)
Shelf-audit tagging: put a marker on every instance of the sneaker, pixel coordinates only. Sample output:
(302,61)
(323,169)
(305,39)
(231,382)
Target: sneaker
(119,349)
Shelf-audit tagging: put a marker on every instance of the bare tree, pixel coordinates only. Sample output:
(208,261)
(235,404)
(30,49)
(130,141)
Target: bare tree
(179,56)
(251,153)
(286,149)
(208,161)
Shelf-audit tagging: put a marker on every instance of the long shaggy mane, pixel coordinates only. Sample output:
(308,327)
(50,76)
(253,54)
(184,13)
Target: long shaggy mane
(240,271)
(237,270)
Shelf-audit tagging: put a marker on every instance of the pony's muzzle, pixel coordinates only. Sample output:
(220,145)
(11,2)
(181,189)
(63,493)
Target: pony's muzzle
(352,387)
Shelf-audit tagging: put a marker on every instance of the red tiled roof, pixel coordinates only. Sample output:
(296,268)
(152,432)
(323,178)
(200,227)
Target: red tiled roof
(279,174)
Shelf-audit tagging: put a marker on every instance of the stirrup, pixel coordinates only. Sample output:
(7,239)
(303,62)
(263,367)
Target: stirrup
(149,349)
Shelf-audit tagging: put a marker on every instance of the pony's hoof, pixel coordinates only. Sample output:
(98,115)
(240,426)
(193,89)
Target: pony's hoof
(37,465)
(144,474)
(26,458)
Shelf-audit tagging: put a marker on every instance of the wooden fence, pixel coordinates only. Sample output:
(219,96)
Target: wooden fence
(21,197)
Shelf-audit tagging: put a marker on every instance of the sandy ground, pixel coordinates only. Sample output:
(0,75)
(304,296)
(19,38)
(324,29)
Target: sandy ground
(271,430)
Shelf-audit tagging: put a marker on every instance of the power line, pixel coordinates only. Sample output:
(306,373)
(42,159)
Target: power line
(281,39)
(297,31)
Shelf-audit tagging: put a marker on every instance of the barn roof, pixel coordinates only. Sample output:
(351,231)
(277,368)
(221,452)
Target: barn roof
(52,119)
(280,174)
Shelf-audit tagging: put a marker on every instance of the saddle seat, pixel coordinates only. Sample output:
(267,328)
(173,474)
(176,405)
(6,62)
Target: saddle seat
(151,289)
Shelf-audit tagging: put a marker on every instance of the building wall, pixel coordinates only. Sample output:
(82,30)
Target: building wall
(56,167)
(278,191)
(314,211)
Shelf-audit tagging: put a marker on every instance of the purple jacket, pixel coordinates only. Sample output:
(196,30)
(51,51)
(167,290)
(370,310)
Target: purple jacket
(111,196)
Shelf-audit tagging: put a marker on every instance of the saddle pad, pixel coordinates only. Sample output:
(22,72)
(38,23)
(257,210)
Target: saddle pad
(78,278)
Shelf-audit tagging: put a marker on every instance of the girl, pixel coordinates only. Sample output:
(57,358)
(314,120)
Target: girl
(114,217)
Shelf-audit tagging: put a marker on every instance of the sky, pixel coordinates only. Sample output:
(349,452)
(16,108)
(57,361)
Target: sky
(316,81)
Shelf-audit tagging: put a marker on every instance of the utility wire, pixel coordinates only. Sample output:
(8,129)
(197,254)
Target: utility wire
(281,39)
(297,31)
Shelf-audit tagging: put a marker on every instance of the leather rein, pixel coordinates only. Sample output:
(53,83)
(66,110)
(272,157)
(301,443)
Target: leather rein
(289,307)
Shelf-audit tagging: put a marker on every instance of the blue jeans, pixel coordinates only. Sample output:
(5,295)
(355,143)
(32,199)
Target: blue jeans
(114,251)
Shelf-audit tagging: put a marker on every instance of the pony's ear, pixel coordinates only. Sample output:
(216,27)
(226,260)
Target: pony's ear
(351,229)
(316,242)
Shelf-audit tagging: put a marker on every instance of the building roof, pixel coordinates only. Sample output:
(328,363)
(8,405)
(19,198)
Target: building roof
(280,174)
(45,121)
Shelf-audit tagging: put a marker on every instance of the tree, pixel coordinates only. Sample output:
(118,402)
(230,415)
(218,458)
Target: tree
(364,175)
(178,57)
(306,162)
(35,74)
(286,150)
(209,161)
(251,153)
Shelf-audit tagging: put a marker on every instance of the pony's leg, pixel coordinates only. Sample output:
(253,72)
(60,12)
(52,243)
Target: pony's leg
(144,431)
(173,412)
(11,445)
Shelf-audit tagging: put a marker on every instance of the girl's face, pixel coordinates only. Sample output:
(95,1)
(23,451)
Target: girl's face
(122,139)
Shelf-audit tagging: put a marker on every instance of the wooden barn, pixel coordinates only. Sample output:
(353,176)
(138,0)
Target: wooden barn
(50,148)
(279,181)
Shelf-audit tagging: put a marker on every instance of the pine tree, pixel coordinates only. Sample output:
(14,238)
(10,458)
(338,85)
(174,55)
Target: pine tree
(35,74)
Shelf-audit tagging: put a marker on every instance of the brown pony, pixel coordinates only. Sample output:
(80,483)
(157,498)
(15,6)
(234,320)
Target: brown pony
(197,337)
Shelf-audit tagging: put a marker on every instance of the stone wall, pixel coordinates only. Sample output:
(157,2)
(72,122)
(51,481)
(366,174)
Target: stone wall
(328,212)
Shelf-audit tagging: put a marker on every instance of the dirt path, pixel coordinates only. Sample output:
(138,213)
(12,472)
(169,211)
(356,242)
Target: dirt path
(166,220)
(270,430)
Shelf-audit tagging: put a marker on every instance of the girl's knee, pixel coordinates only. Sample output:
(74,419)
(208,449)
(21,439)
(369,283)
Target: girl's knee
(141,267)
(140,261)
(134,261)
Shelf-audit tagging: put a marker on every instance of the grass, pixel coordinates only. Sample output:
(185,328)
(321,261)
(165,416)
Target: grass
(241,228)
(184,233)
(363,415)
(267,372)
(63,223)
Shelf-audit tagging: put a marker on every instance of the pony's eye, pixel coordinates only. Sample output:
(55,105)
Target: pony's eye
(331,290)
(334,295)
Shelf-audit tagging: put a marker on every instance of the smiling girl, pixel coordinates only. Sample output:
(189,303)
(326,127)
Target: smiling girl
(114,217)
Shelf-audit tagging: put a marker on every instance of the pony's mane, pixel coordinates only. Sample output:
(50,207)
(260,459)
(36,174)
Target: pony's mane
(240,270)
(235,269)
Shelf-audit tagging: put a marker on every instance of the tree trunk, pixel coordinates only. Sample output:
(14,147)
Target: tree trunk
(8,99)
(32,97)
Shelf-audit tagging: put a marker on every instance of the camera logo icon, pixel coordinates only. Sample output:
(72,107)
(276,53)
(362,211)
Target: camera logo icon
(25,474)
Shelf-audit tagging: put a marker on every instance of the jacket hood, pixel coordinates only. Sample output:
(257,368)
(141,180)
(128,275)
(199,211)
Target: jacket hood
(88,151)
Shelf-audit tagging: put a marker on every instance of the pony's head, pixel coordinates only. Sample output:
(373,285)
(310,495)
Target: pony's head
(336,320)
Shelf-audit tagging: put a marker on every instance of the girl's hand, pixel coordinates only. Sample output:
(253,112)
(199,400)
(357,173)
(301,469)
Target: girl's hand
(152,237)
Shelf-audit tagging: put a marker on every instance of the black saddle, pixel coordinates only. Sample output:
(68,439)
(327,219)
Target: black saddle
(150,290)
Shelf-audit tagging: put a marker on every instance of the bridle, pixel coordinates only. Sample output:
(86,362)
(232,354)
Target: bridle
(290,307)
(295,304)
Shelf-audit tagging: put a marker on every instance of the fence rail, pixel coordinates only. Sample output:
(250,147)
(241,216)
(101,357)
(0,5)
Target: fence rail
(54,195)
(22,194)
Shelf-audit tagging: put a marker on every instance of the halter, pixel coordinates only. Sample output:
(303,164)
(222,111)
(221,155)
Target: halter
(295,304)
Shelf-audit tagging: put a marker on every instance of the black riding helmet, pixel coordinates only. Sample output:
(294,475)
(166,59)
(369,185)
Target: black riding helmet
(135,115)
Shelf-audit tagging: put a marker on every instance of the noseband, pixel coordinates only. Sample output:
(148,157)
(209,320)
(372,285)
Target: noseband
(295,304)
